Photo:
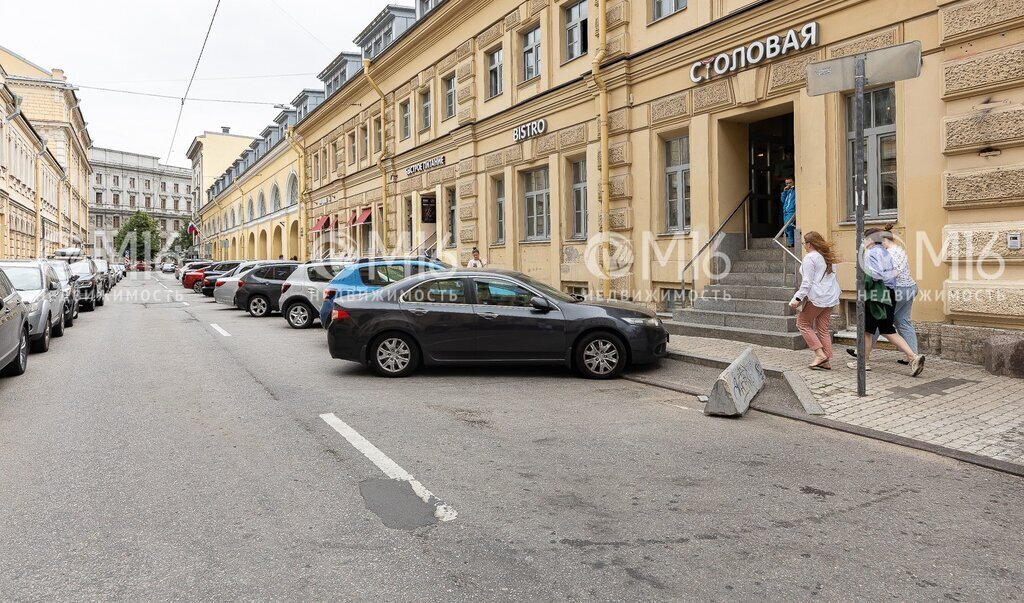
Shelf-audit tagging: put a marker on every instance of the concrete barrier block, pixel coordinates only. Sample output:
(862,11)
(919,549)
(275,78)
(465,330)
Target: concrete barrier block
(736,386)
(1004,355)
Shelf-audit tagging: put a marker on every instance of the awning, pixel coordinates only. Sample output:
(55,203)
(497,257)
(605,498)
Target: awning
(363,217)
(321,223)
(352,218)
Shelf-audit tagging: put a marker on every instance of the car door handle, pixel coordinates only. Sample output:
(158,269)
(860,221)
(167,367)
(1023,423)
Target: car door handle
(417,311)
(489,315)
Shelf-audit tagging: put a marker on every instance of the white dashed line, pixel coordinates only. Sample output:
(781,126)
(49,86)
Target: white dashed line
(220,330)
(390,468)
(185,303)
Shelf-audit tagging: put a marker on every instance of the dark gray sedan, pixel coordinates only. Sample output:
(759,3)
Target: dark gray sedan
(490,316)
(14,333)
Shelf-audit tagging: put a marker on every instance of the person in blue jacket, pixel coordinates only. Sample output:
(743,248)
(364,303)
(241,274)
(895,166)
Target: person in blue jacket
(789,209)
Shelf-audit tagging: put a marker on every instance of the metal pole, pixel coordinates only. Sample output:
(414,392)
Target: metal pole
(858,184)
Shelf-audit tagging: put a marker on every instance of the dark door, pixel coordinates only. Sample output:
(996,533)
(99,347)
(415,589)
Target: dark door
(10,320)
(509,328)
(771,162)
(276,277)
(442,318)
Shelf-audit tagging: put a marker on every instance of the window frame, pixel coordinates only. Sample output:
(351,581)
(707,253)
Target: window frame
(451,101)
(681,173)
(575,48)
(677,7)
(531,66)
(873,135)
(500,207)
(426,109)
(404,299)
(536,206)
(405,118)
(452,218)
(578,198)
(495,72)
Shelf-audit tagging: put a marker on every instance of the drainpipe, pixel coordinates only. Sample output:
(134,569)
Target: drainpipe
(602,96)
(39,201)
(383,153)
(296,143)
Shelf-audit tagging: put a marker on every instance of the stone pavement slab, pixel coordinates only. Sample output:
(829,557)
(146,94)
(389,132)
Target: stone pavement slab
(955,405)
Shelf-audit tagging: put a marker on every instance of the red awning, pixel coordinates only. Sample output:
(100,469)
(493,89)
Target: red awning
(321,223)
(363,217)
(352,218)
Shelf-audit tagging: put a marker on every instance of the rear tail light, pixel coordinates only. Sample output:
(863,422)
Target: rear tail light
(329,294)
(241,284)
(219,283)
(339,314)
(285,287)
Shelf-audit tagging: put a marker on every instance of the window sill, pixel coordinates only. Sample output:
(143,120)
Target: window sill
(499,244)
(577,57)
(535,242)
(532,80)
(494,96)
(660,19)
(577,239)
(447,118)
(871,220)
(676,234)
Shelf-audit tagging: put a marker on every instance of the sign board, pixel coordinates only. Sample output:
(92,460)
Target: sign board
(882,66)
(529,130)
(736,386)
(424,165)
(751,54)
(428,210)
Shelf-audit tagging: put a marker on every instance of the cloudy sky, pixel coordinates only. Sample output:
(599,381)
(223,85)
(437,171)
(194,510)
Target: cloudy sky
(259,50)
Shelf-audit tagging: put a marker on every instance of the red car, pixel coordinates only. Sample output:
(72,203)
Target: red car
(140,266)
(193,279)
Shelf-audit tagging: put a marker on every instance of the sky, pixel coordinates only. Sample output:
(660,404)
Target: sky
(259,50)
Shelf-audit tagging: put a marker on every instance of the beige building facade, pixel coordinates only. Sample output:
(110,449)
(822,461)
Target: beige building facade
(211,153)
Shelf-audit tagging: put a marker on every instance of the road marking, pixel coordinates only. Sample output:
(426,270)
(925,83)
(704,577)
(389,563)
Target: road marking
(679,406)
(390,468)
(220,330)
(184,303)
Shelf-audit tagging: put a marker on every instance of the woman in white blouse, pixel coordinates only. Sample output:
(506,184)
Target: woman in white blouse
(819,293)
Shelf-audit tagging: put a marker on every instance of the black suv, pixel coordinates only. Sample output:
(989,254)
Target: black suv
(259,291)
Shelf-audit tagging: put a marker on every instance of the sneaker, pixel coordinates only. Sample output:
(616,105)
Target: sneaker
(917,365)
(853,353)
(853,365)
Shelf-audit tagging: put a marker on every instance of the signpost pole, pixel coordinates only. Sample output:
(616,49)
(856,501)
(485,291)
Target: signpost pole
(859,199)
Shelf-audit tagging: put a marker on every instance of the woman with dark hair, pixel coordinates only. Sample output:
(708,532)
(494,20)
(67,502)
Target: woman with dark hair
(819,293)
(880,275)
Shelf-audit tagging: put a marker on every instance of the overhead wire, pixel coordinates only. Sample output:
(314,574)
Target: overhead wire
(188,88)
(177,98)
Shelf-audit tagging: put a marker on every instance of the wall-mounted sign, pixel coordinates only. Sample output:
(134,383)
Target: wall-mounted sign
(534,128)
(424,166)
(428,210)
(755,52)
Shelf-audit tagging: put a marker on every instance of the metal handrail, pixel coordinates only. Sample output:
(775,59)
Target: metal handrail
(711,240)
(422,246)
(792,220)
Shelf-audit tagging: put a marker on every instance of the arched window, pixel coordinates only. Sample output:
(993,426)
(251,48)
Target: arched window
(232,216)
(251,214)
(262,205)
(293,190)
(275,198)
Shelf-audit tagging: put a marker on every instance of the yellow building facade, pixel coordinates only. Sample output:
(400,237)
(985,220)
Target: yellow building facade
(480,124)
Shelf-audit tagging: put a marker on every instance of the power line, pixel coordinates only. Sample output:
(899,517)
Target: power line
(210,79)
(303,27)
(178,98)
(177,122)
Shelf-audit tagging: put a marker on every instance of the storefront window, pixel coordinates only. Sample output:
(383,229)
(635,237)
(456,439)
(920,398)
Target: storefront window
(677,184)
(452,225)
(880,162)
(579,199)
(499,210)
(538,204)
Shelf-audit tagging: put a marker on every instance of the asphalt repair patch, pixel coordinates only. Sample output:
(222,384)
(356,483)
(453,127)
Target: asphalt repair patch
(394,501)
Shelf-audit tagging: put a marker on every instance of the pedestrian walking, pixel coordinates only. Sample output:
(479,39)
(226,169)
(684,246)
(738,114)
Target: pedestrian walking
(476,262)
(879,283)
(818,294)
(789,210)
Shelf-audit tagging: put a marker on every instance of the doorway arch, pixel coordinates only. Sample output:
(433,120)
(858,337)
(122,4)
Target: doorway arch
(275,243)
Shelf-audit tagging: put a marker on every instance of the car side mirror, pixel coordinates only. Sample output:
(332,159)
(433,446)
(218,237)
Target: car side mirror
(540,304)
(54,286)
(74,277)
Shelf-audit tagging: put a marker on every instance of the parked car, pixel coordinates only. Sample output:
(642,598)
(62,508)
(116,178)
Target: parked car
(68,283)
(120,270)
(40,290)
(180,271)
(194,276)
(370,274)
(259,291)
(104,271)
(167,267)
(139,266)
(211,274)
(303,293)
(14,332)
(90,287)
(227,284)
(490,316)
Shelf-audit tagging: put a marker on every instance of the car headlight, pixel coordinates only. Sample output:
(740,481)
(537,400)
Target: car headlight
(644,322)
(34,306)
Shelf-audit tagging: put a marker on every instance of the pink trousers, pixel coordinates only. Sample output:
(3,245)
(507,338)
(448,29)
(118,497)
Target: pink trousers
(813,323)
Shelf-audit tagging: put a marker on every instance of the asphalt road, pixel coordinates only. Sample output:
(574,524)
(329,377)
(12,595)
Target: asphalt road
(152,456)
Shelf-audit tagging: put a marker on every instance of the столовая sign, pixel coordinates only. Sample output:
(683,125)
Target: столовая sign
(755,52)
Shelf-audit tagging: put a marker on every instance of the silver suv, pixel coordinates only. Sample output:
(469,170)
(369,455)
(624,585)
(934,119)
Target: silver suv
(40,290)
(303,292)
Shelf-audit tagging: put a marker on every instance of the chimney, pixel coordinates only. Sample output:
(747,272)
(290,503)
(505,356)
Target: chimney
(225,130)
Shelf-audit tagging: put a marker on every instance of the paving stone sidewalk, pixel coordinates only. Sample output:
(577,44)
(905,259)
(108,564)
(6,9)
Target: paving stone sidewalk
(959,406)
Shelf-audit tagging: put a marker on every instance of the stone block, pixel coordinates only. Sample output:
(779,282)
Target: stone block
(1004,355)
(736,386)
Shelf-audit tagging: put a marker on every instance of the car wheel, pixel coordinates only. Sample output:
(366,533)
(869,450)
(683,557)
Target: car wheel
(58,331)
(74,311)
(20,363)
(394,355)
(89,305)
(259,306)
(42,344)
(197,287)
(299,316)
(600,355)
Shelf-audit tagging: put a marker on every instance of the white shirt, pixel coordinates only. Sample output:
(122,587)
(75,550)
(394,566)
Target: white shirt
(818,287)
(476,263)
(902,266)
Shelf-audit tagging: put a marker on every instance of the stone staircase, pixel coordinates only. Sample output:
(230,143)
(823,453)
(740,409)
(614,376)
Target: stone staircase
(750,304)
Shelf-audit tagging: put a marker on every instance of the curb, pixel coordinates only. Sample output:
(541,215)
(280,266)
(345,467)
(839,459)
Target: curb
(814,416)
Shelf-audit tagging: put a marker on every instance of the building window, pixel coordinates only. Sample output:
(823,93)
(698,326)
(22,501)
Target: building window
(177,205)
(117,222)
(99,198)
(449,97)
(879,153)
(163,202)
(424,109)
(188,206)
(188,189)
(250,213)
(494,83)
(177,225)
(146,183)
(579,199)
(379,136)
(131,183)
(664,8)
(531,54)
(365,135)
(99,178)
(175,187)
(336,153)
(117,199)
(499,210)
(351,148)
(261,206)
(538,205)
(677,184)
(406,127)
(163,186)
(451,224)
(275,198)
(117,181)
(576,30)
(293,190)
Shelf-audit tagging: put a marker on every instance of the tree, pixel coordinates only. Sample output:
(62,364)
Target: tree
(182,244)
(140,237)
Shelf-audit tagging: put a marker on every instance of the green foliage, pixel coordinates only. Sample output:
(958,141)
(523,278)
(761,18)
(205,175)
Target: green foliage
(182,244)
(140,236)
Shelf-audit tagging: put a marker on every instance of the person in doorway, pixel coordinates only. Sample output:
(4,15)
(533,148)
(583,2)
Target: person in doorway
(476,262)
(905,291)
(879,284)
(295,258)
(789,210)
(280,257)
(819,293)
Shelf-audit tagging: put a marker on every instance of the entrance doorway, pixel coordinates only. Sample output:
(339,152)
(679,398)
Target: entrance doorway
(771,162)
(428,224)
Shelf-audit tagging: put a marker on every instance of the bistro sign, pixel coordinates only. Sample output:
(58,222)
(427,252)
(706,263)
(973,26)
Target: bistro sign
(534,128)
(755,52)
(424,166)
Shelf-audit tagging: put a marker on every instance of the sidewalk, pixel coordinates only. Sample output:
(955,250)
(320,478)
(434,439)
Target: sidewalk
(959,406)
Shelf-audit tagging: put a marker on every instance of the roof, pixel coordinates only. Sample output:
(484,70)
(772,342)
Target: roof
(343,57)
(43,71)
(390,10)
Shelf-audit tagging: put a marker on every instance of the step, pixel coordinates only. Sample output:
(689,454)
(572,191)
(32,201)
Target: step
(763,244)
(749,255)
(760,322)
(787,341)
(755,278)
(745,306)
(764,266)
(756,292)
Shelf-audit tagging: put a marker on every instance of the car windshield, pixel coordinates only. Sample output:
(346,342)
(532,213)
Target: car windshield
(102,265)
(24,278)
(81,268)
(61,270)
(548,290)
